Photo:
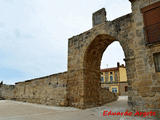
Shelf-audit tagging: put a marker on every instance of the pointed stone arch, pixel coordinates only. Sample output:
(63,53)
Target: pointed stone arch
(85,54)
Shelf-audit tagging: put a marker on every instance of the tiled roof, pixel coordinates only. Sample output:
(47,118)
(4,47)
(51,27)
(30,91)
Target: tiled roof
(109,69)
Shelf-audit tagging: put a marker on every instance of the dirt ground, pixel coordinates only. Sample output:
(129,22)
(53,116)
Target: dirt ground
(12,110)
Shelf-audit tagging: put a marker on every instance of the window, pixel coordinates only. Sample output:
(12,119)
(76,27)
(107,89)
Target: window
(126,88)
(151,15)
(111,78)
(102,79)
(106,76)
(156,58)
(114,90)
(116,77)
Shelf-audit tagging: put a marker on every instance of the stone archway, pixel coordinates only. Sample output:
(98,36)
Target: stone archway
(84,58)
(92,61)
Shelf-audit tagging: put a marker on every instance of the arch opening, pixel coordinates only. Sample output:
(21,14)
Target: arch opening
(113,71)
(92,74)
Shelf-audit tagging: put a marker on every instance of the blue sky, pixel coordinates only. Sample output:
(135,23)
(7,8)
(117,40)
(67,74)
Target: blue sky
(34,34)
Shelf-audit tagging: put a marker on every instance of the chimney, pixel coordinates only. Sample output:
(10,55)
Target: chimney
(118,64)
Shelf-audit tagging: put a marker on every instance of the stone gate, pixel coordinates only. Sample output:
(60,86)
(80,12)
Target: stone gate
(85,54)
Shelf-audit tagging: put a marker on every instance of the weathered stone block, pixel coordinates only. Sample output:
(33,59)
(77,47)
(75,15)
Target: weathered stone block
(99,17)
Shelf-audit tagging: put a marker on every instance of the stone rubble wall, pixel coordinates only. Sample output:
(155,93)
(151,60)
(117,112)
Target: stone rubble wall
(107,96)
(6,91)
(49,90)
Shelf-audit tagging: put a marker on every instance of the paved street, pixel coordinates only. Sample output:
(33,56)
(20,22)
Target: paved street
(11,110)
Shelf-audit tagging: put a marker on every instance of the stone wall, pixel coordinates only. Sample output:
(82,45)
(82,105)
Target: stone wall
(144,85)
(107,96)
(122,86)
(7,91)
(50,90)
